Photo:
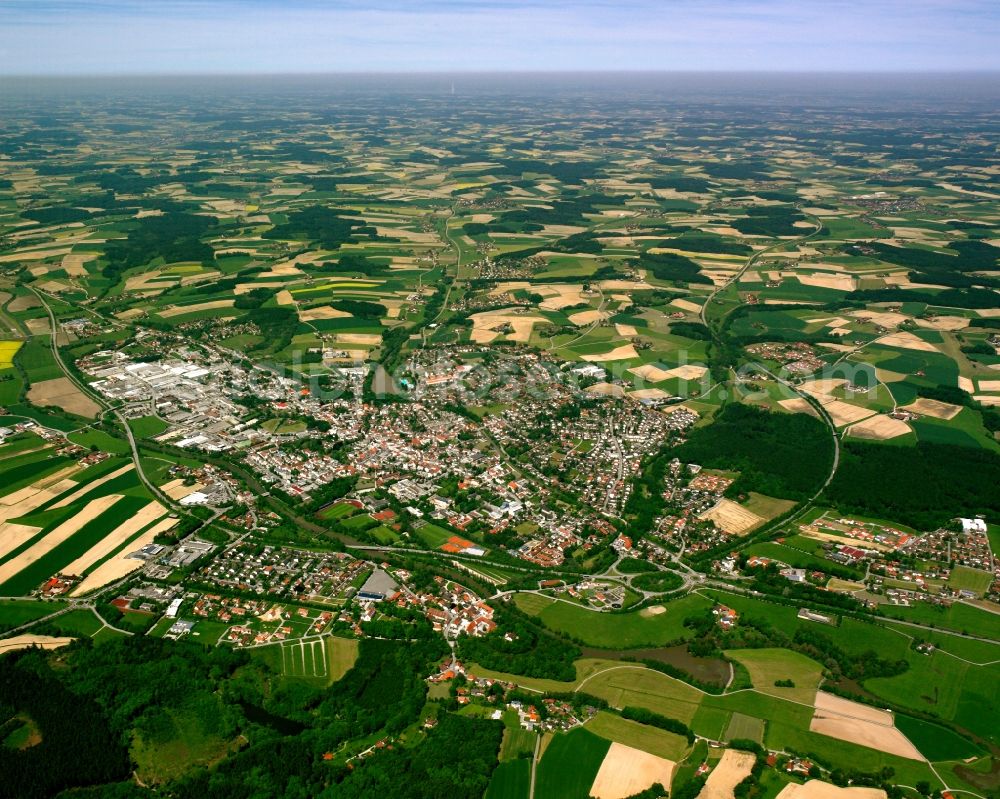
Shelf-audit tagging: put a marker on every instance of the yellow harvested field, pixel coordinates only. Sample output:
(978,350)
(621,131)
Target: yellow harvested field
(844,586)
(944,323)
(321,312)
(284,297)
(290,268)
(63,393)
(180,310)
(732,517)
(37,327)
(798,405)
(824,386)
(844,413)
(485,324)
(687,305)
(509,286)
(907,341)
(63,532)
(88,487)
(810,532)
(650,372)
(626,771)
(33,255)
(605,390)
(587,317)
(935,408)
(626,330)
(624,285)
(129,314)
(885,318)
(23,302)
(246,288)
(14,535)
(986,399)
(622,353)
(115,539)
(25,500)
(688,372)
(409,235)
(74,262)
(560,296)
(27,640)
(826,281)
(832,703)
(734,767)
(860,724)
(359,338)
(829,321)
(121,565)
(176,489)
(201,277)
(965,384)
(649,394)
(817,789)
(879,428)
(8,349)
(990,386)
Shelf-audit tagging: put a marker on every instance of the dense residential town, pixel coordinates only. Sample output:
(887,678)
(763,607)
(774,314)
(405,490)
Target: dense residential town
(513,437)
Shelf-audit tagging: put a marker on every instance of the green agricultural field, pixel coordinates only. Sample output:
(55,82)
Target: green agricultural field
(511,780)
(639,736)
(843,754)
(24,470)
(76,544)
(533,604)
(962,618)
(100,440)
(975,580)
(77,623)
(623,630)
(147,426)
(517,741)
(637,686)
(943,686)
(711,722)
(768,666)
(745,728)
(15,612)
(934,741)
(570,764)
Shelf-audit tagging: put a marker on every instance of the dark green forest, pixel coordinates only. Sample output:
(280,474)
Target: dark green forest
(924,486)
(778,454)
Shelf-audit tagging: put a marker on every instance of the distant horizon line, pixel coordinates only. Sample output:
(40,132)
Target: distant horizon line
(472,72)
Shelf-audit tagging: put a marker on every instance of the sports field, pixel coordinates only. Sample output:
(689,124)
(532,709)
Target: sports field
(324,659)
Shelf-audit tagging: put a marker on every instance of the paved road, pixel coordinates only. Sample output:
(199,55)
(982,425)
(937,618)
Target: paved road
(163,498)
(750,262)
(458,266)
(815,404)
(534,766)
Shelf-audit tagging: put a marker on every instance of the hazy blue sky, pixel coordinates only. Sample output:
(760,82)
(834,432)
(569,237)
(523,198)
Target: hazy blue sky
(115,36)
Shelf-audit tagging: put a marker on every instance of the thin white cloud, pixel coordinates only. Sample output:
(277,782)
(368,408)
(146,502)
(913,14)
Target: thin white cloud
(102,36)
